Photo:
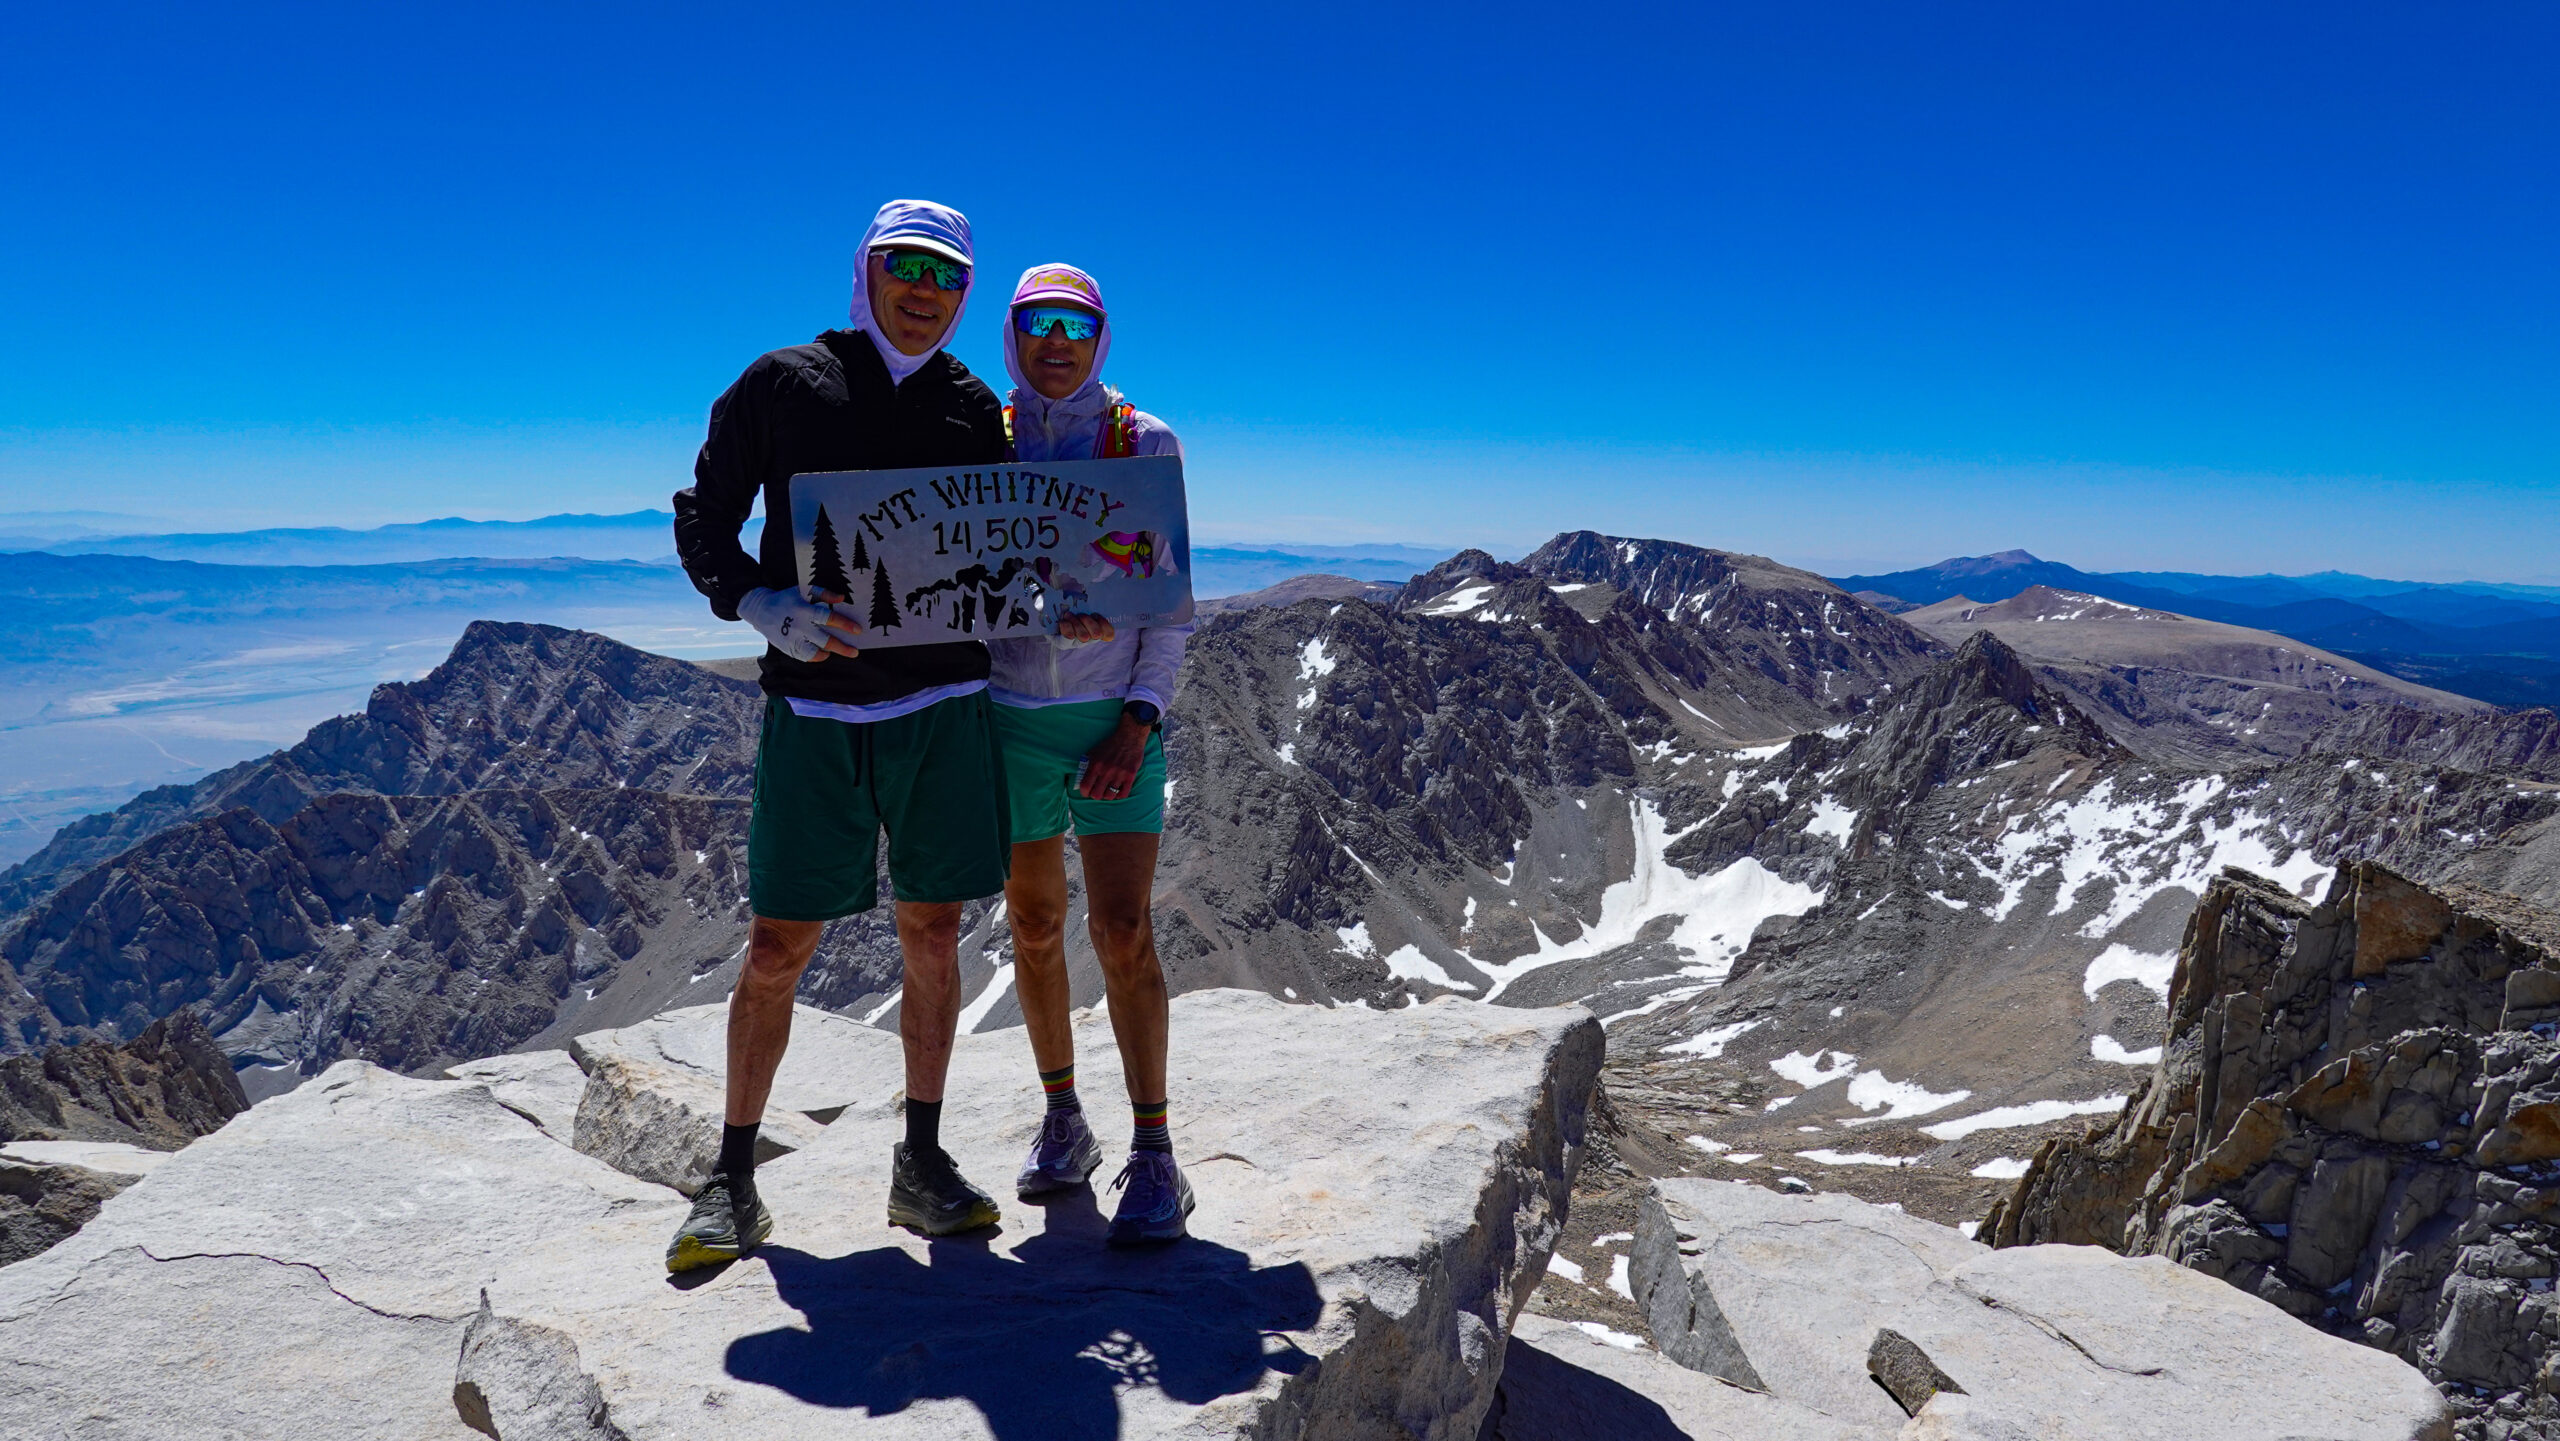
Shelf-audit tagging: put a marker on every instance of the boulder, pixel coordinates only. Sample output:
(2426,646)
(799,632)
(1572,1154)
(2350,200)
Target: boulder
(2042,1340)
(1560,1383)
(42,1204)
(378,1256)
(653,1097)
(544,1087)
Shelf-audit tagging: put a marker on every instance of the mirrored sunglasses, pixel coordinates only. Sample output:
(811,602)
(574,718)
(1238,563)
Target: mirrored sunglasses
(1038,320)
(915,265)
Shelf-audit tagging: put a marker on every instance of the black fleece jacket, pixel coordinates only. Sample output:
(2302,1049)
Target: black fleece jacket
(828,405)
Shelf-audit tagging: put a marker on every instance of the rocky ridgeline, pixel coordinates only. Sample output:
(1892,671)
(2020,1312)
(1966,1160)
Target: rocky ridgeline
(515,706)
(2184,691)
(1454,775)
(2525,743)
(543,836)
(1756,649)
(2357,1118)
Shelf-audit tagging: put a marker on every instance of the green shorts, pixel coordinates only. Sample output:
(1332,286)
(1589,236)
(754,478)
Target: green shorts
(1043,746)
(826,789)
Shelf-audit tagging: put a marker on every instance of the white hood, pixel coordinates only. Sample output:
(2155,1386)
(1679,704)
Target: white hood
(948,229)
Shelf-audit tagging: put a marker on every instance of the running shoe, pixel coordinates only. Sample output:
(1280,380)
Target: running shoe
(1064,1156)
(928,1195)
(1156,1208)
(727,1221)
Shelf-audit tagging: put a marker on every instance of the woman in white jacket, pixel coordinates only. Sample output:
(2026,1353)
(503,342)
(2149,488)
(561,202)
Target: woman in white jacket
(1080,718)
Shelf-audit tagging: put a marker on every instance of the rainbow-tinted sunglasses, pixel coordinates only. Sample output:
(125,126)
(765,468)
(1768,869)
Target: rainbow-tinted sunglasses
(1039,320)
(914,265)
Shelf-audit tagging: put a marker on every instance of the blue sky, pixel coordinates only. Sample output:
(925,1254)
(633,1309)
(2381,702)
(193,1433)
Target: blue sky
(1858,286)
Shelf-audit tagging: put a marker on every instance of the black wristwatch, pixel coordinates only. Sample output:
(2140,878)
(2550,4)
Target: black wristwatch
(1144,714)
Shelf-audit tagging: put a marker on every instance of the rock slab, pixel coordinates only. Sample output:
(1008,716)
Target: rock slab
(1559,1383)
(653,1095)
(378,1256)
(2044,1340)
(544,1087)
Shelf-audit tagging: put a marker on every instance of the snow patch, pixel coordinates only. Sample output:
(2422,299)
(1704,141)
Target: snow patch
(2033,1113)
(2120,962)
(1619,1339)
(1856,1158)
(1459,601)
(1830,818)
(1871,1090)
(1716,912)
(2107,1048)
(1711,1042)
(999,986)
(1819,1069)
(1408,963)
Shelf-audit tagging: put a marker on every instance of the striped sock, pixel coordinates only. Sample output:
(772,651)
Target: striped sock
(1152,1133)
(1061,1086)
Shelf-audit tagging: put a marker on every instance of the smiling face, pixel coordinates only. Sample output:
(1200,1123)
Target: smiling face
(1053,364)
(913,315)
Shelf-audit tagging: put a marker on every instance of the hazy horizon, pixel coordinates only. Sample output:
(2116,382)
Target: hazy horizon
(30,524)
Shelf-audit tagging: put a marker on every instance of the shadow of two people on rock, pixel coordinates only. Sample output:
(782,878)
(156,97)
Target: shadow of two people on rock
(1041,1341)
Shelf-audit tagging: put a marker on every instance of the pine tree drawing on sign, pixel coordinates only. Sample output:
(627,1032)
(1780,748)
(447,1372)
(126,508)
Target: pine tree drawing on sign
(884,606)
(826,563)
(861,556)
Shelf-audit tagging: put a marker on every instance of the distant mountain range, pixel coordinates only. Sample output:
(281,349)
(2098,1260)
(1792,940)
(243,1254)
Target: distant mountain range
(2498,643)
(645,535)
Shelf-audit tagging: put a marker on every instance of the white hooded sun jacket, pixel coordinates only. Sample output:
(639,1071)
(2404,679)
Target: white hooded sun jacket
(1034,671)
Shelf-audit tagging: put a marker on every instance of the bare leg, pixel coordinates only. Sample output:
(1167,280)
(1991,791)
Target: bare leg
(760,1010)
(929,1010)
(1119,885)
(1035,900)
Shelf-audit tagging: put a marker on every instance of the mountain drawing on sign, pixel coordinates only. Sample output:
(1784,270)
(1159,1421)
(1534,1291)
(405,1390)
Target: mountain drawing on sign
(970,582)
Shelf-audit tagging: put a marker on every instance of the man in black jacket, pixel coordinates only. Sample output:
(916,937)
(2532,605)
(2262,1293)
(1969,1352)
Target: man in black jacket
(854,744)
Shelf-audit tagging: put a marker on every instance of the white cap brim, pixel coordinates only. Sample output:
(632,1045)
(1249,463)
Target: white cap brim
(930,244)
(1068,299)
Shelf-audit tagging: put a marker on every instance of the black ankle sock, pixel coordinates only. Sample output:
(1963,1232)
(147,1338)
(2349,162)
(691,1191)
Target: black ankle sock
(1151,1132)
(924,1126)
(1061,1088)
(737,1150)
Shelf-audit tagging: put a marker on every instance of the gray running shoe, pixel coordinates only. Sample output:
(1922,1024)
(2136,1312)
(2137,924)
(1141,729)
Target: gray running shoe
(727,1221)
(928,1195)
(1157,1206)
(1064,1156)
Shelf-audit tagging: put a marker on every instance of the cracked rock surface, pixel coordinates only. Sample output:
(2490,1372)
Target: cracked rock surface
(305,1271)
(378,1256)
(2046,1341)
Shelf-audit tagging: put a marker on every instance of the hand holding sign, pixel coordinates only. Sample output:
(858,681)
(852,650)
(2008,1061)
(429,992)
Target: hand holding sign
(1072,548)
